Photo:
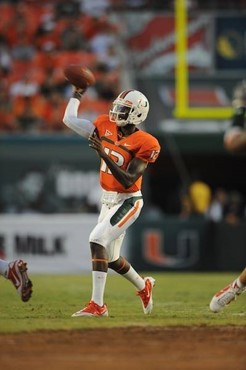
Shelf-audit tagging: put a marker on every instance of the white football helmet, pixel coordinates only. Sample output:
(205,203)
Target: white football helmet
(130,107)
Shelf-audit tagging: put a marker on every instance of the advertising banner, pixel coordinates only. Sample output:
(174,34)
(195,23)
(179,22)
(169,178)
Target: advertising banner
(170,244)
(151,43)
(52,244)
(58,244)
(48,174)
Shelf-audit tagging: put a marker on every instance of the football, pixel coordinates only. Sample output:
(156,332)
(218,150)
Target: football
(79,76)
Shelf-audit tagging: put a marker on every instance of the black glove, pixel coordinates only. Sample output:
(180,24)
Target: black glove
(78,92)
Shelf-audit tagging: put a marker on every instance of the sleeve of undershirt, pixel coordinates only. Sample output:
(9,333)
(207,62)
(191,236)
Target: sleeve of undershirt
(83,127)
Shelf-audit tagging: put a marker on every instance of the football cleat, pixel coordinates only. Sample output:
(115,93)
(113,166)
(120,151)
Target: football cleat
(17,274)
(92,309)
(146,295)
(225,296)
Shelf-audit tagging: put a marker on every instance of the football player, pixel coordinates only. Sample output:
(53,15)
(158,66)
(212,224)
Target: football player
(235,136)
(234,141)
(16,272)
(125,152)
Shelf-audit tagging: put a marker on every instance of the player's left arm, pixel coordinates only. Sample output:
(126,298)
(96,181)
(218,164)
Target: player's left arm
(126,177)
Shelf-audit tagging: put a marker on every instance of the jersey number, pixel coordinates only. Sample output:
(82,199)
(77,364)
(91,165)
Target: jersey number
(154,154)
(119,160)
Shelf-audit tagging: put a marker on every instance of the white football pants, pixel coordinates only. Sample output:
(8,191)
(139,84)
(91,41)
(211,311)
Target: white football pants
(113,222)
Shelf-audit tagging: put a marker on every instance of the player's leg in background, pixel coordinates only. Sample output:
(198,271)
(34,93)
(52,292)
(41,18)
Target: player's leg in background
(228,294)
(3,268)
(16,272)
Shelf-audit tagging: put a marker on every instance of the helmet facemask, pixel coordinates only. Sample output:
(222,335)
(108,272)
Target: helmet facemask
(120,113)
(131,109)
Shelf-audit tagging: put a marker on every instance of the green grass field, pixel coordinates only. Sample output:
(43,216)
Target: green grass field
(179,299)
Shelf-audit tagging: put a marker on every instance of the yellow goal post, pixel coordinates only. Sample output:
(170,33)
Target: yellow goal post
(182,108)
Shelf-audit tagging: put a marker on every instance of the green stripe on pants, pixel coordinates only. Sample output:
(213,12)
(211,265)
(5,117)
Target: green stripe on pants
(123,210)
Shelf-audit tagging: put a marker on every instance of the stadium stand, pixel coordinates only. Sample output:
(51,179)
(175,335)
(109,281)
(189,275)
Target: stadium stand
(36,42)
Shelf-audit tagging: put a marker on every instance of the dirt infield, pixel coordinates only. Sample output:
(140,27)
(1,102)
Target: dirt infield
(143,348)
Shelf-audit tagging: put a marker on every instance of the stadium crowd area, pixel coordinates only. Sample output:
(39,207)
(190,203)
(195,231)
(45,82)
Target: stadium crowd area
(36,41)
(215,205)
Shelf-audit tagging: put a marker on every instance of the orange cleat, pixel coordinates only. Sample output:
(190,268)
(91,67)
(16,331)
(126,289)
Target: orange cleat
(146,295)
(92,309)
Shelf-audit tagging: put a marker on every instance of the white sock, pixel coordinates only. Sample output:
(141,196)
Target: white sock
(135,278)
(3,268)
(239,283)
(98,285)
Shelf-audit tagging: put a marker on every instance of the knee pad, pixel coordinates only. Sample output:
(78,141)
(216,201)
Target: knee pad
(109,237)
(114,248)
(98,236)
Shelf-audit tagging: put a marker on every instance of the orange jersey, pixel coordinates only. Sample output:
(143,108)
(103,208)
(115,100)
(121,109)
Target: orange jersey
(139,144)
